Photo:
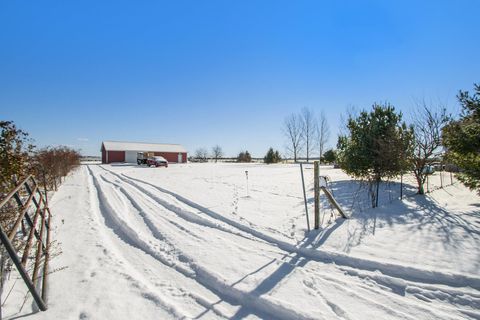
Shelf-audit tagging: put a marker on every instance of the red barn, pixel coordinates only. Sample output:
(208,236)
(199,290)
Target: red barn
(116,151)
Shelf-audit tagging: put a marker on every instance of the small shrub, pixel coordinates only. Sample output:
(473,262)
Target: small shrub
(244,157)
(54,163)
(201,155)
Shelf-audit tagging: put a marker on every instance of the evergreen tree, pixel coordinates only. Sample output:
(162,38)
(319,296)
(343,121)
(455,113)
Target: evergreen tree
(277,156)
(462,139)
(378,146)
(272,156)
(329,156)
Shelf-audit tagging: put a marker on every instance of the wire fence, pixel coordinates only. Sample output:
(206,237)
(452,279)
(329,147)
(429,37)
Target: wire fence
(356,195)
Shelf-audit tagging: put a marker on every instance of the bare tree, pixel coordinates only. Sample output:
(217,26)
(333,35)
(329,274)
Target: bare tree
(309,128)
(217,152)
(292,128)
(201,154)
(323,133)
(427,124)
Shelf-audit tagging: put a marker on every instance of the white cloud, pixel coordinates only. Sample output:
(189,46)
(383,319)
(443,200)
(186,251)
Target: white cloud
(82,139)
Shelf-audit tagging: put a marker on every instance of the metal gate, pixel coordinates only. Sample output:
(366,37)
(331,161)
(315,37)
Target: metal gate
(36,233)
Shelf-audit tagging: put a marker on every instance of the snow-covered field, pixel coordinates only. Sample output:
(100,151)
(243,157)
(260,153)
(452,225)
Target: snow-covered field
(195,241)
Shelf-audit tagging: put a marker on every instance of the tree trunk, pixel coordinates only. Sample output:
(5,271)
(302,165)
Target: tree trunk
(401,186)
(418,176)
(419,183)
(307,151)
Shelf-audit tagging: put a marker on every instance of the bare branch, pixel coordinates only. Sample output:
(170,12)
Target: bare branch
(323,133)
(309,128)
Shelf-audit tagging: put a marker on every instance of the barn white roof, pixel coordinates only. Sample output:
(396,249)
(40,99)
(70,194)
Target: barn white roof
(141,146)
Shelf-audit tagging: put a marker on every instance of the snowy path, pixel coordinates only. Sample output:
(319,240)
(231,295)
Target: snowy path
(166,256)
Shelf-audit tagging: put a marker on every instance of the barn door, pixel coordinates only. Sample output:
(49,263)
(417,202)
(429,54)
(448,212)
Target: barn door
(131,156)
(180,158)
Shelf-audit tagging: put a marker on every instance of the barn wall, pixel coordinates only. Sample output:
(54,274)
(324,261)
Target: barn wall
(184,157)
(116,156)
(172,156)
(104,156)
(119,156)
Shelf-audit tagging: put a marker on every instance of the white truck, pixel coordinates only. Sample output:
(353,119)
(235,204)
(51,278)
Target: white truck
(142,157)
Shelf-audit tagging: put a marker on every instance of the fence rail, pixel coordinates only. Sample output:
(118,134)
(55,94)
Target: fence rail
(35,200)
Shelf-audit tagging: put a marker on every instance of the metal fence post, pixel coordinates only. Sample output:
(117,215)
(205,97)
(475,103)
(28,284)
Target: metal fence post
(305,197)
(316,186)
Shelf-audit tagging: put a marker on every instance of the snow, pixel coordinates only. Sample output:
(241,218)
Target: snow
(190,242)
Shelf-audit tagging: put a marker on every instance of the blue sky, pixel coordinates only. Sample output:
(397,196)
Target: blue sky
(202,73)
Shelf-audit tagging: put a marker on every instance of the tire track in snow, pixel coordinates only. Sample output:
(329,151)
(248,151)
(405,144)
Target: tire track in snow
(409,273)
(349,293)
(335,308)
(257,305)
(184,214)
(145,195)
(423,292)
(382,285)
(244,231)
(153,298)
(379,289)
(125,234)
(146,219)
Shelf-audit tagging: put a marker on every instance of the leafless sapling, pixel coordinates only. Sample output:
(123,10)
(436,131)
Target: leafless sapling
(292,129)
(309,130)
(323,134)
(217,152)
(428,122)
